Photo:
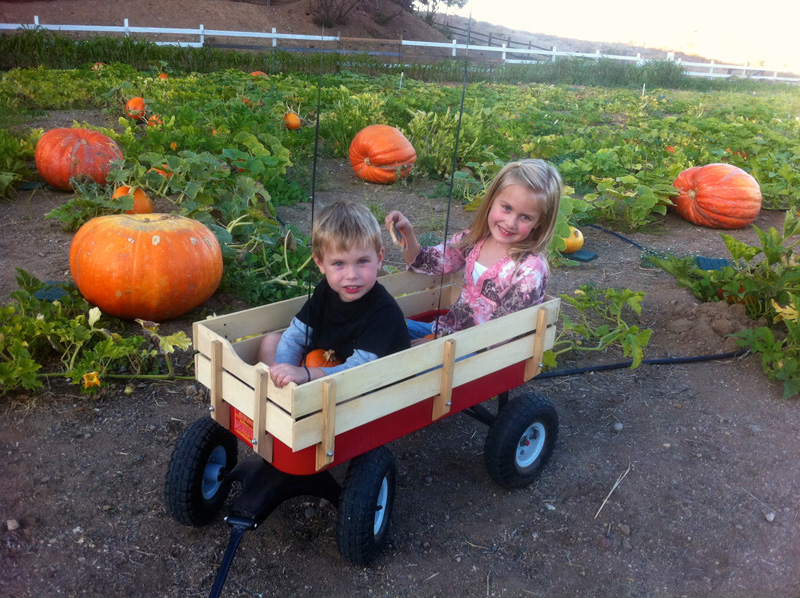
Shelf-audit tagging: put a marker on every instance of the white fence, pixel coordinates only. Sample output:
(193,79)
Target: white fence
(530,55)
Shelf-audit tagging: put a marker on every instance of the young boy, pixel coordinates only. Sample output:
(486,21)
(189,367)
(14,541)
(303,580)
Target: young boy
(349,311)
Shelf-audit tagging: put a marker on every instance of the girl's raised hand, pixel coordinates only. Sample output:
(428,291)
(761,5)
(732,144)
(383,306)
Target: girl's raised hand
(403,235)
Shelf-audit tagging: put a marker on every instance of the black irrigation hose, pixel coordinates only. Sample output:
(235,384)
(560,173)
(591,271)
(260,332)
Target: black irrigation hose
(658,361)
(619,236)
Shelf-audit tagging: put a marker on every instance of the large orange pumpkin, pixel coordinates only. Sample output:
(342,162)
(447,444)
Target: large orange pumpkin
(320,358)
(717,196)
(149,266)
(379,152)
(142,204)
(62,154)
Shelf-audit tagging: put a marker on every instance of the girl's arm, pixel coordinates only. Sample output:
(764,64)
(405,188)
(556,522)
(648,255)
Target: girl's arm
(411,250)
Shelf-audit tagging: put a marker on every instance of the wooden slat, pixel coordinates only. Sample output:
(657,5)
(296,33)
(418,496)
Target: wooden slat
(218,410)
(325,449)
(256,320)
(442,401)
(261,440)
(534,365)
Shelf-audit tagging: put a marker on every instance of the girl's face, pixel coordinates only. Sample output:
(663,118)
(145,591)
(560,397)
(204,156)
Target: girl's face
(515,212)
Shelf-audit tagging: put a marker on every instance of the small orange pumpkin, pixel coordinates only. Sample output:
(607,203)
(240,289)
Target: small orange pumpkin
(292,121)
(135,109)
(155,121)
(149,266)
(142,204)
(378,153)
(717,196)
(259,74)
(99,66)
(62,154)
(320,358)
(162,76)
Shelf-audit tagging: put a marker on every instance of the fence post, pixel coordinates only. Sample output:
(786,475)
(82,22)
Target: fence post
(454,48)
(202,35)
(744,70)
(671,56)
(490,41)
(504,52)
(553,55)
(711,68)
(36,21)
(127,30)
(274,39)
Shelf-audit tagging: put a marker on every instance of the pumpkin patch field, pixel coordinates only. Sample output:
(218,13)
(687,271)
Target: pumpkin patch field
(671,478)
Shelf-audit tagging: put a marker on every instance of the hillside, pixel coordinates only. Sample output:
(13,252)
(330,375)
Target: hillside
(286,16)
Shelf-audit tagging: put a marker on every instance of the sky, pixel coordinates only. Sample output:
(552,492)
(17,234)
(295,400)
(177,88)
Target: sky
(764,32)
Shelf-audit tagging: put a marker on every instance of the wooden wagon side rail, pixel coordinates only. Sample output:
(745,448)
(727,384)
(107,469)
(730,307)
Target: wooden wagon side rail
(303,416)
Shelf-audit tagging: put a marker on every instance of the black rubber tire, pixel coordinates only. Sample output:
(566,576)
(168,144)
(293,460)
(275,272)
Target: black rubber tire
(521,440)
(365,507)
(193,492)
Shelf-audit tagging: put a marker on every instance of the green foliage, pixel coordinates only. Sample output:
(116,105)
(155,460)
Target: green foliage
(756,275)
(600,323)
(766,280)
(70,340)
(14,154)
(627,202)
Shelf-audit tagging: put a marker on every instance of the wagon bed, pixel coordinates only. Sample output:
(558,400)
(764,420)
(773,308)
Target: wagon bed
(304,429)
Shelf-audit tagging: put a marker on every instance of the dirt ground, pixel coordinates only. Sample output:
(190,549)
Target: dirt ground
(709,506)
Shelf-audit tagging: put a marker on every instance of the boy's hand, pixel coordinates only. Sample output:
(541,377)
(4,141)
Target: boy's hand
(283,373)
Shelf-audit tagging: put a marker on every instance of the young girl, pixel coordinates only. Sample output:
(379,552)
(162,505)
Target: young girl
(503,253)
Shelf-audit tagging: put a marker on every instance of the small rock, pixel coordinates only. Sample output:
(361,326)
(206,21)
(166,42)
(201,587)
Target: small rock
(604,543)
(309,512)
(625,529)
(769,516)
(666,445)
(549,506)
(87,435)
(439,208)
(618,427)
(458,559)
(12,524)
(428,480)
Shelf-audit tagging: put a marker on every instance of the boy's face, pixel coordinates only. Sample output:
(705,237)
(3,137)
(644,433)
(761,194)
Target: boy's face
(351,273)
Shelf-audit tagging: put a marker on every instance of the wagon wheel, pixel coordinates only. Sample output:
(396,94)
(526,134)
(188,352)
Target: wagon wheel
(521,440)
(365,507)
(196,486)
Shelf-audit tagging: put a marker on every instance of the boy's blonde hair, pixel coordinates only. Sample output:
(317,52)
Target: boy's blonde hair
(343,225)
(543,180)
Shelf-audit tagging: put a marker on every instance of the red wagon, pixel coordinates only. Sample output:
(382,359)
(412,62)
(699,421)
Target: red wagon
(297,433)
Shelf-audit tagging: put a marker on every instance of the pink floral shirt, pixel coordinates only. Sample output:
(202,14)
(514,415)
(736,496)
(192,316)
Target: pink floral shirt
(504,288)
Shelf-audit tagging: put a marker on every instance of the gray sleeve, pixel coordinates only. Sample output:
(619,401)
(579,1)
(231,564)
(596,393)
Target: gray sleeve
(357,358)
(291,347)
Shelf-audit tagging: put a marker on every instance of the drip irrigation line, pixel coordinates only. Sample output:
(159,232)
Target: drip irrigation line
(654,361)
(619,236)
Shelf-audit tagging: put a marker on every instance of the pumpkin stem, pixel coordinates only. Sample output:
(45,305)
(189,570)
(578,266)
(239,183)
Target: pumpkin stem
(329,355)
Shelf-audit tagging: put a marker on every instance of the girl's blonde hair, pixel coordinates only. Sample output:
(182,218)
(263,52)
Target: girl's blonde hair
(344,225)
(541,179)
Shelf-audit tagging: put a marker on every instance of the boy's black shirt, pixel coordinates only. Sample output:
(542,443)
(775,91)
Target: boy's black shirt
(373,323)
